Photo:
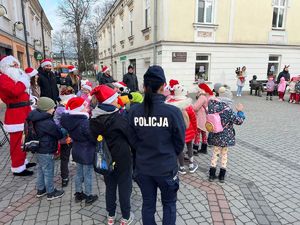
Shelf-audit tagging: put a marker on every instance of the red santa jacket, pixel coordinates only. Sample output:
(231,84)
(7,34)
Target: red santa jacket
(190,132)
(12,92)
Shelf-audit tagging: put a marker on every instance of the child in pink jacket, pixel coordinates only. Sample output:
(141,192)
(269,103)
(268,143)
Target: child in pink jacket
(281,89)
(200,108)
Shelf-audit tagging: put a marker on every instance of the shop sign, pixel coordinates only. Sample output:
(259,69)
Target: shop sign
(179,56)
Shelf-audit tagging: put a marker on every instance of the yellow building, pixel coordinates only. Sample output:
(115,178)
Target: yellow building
(208,38)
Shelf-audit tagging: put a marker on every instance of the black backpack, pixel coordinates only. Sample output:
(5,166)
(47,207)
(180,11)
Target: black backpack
(103,163)
(30,137)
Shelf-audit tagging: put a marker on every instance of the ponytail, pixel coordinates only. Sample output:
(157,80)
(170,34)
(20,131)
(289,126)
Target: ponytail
(151,89)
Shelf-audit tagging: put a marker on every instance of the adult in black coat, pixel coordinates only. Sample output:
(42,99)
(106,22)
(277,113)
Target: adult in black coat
(285,73)
(47,83)
(106,77)
(130,79)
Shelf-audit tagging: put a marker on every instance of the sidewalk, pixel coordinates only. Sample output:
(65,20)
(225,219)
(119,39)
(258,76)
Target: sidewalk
(262,186)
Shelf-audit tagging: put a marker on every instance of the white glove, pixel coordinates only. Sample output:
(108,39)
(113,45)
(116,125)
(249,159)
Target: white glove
(25,80)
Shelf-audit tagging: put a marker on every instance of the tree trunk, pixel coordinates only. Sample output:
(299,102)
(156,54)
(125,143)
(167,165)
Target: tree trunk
(78,36)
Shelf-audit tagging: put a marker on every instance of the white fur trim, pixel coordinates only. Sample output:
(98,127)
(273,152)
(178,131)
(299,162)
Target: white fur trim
(79,113)
(25,81)
(87,87)
(180,102)
(111,99)
(33,73)
(11,128)
(78,109)
(107,69)
(8,60)
(18,169)
(46,63)
(72,70)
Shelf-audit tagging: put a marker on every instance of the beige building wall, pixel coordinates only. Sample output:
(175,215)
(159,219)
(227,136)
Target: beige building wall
(292,22)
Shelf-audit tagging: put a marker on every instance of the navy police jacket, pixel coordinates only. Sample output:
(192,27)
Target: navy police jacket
(158,139)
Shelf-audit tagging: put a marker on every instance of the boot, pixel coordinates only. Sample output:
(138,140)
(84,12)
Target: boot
(222,175)
(203,149)
(196,149)
(267,98)
(24,173)
(271,98)
(212,174)
(79,196)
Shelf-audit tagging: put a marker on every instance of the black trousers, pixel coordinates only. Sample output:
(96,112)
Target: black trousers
(123,181)
(65,150)
(270,93)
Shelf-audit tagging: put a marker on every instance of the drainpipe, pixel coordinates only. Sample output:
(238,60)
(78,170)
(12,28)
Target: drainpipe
(43,38)
(155,34)
(25,33)
(111,50)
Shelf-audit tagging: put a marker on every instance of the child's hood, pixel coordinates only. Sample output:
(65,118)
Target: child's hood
(216,106)
(37,115)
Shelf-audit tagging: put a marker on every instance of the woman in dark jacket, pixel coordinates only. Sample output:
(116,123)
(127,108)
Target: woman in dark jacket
(157,133)
(48,85)
(108,122)
(83,148)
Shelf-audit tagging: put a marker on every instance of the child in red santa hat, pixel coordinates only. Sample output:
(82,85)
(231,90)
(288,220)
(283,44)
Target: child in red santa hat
(200,108)
(108,122)
(184,103)
(14,92)
(84,93)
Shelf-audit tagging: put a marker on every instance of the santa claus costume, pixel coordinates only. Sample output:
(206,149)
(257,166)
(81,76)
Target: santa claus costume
(184,103)
(14,92)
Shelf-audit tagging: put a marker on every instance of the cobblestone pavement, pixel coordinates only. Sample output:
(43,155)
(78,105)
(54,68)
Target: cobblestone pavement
(262,185)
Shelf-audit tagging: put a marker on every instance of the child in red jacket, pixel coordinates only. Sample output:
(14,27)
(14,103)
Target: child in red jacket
(180,100)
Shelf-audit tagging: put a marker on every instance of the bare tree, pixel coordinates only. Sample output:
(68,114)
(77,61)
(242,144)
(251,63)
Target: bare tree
(61,42)
(74,13)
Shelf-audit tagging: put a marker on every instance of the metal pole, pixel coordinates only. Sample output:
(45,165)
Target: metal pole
(43,38)
(155,34)
(25,33)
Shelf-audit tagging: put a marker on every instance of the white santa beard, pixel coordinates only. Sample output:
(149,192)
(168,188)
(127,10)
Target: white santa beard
(14,73)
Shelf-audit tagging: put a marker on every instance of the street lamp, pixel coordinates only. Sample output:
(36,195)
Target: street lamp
(19,26)
(3,10)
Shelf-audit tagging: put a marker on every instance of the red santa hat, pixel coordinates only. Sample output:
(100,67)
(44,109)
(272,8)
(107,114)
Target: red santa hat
(105,69)
(88,86)
(172,83)
(72,68)
(46,62)
(31,72)
(8,60)
(75,104)
(104,94)
(205,88)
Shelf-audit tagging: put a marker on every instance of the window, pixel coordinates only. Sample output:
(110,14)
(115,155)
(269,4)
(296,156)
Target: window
(131,23)
(279,8)
(147,14)
(205,11)
(202,66)
(273,65)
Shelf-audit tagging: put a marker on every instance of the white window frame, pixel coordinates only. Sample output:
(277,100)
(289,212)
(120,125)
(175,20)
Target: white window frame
(205,61)
(131,23)
(147,12)
(275,62)
(213,2)
(279,7)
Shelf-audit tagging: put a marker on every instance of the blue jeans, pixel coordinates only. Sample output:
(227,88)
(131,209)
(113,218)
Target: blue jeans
(45,172)
(168,186)
(239,90)
(84,174)
(121,180)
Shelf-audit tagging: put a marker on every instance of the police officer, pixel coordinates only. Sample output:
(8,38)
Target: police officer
(157,132)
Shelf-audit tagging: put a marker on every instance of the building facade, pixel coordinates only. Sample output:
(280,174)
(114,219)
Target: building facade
(207,38)
(12,35)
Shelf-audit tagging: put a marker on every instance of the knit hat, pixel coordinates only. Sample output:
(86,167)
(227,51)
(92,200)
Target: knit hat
(46,62)
(154,74)
(217,87)
(104,94)
(72,68)
(136,97)
(44,104)
(206,89)
(75,104)
(225,93)
(88,86)
(105,69)
(31,72)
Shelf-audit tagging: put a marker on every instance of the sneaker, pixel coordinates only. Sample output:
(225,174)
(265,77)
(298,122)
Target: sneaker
(79,197)
(55,194)
(129,221)
(182,170)
(91,199)
(193,167)
(65,182)
(41,193)
(111,220)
